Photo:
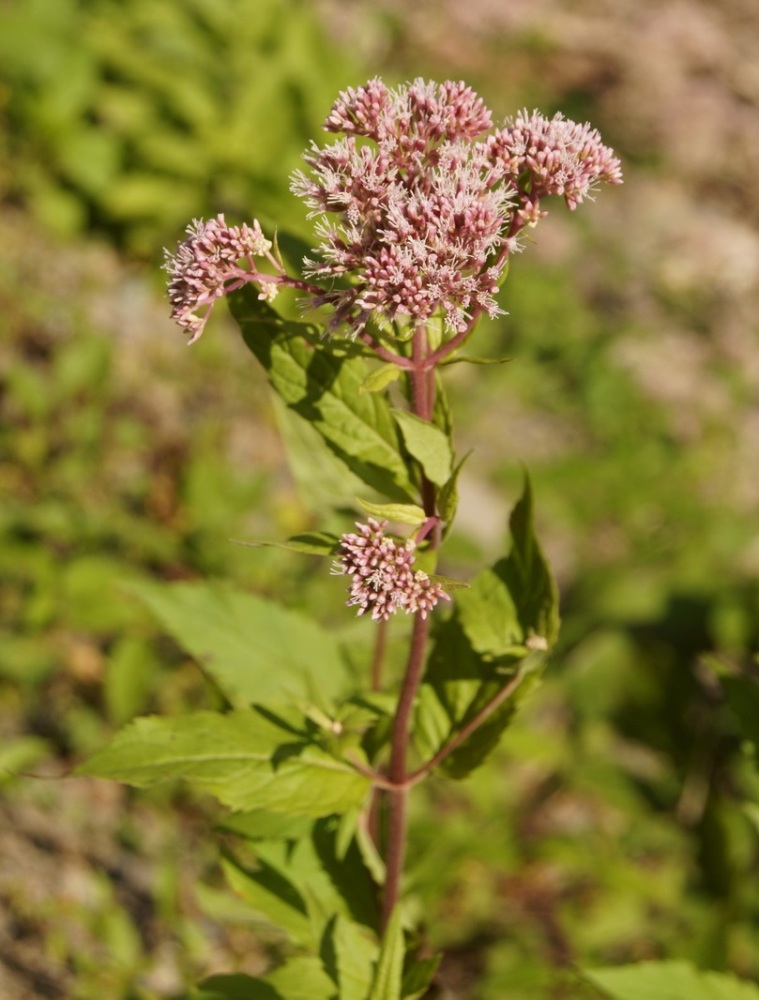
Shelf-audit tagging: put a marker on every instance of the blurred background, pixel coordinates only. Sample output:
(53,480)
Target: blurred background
(619,821)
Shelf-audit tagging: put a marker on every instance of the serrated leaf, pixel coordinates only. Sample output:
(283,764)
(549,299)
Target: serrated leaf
(322,385)
(402,513)
(669,981)
(253,648)
(428,444)
(242,758)
(386,984)
(380,378)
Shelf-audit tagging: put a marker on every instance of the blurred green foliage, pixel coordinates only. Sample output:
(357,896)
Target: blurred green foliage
(620,820)
(133,118)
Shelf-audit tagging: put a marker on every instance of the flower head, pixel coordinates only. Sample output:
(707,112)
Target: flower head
(206,266)
(416,220)
(382,578)
(560,156)
(418,207)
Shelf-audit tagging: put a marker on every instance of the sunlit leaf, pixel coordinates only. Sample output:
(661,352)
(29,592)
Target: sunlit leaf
(322,385)
(243,758)
(386,984)
(669,981)
(428,444)
(254,648)
(402,513)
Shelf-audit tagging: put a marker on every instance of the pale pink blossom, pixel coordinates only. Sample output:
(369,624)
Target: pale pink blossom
(418,207)
(383,580)
(208,264)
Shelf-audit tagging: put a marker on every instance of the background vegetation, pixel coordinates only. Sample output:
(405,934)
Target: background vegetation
(620,819)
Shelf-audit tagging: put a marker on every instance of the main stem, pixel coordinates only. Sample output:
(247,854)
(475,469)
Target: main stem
(423,404)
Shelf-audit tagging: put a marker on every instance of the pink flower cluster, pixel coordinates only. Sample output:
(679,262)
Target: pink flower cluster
(382,574)
(559,156)
(419,208)
(207,265)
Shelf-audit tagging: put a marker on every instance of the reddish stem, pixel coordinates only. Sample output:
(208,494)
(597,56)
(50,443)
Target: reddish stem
(398,796)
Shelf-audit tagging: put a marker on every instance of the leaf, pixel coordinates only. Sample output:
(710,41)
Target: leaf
(259,824)
(516,601)
(500,633)
(387,977)
(380,378)
(428,444)
(273,896)
(743,698)
(302,883)
(350,953)
(253,648)
(321,385)
(311,543)
(302,978)
(417,975)
(323,479)
(669,981)
(402,513)
(242,758)
(475,361)
(448,498)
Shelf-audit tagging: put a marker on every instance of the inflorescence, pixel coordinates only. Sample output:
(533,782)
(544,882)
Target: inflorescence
(418,206)
(382,577)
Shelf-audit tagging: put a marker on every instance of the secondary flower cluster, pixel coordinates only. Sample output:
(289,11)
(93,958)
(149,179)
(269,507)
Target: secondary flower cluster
(207,265)
(382,578)
(419,208)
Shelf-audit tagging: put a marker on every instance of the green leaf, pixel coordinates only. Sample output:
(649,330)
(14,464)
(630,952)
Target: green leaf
(253,648)
(459,684)
(428,444)
(669,981)
(499,634)
(387,977)
(417,975)
(304,881)
(448,498)
(350,954)
(380,378)
(311,543)
(243,758)
(273,895)
(321,384)
(260,824)
(237,986)
(516,602)
(475,361)
(743,698)
(402,513)
(302,978)
(323,479)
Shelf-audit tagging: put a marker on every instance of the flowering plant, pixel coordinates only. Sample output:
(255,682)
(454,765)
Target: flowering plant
(419,205)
